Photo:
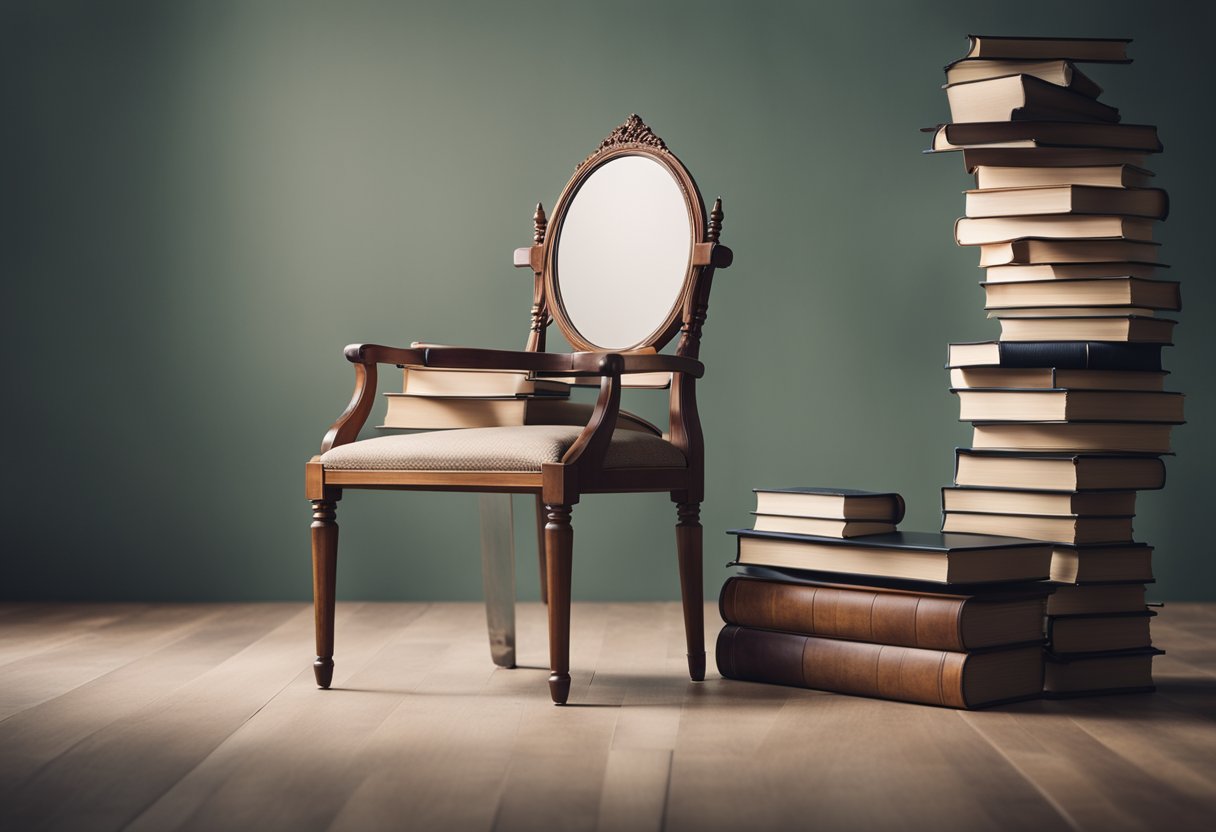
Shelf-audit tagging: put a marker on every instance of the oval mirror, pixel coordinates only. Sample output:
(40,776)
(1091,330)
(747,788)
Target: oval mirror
(622,253)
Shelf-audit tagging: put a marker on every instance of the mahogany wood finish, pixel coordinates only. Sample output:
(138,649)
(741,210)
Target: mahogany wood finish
(688,550)
(558,486)
(559,549)
(324,575)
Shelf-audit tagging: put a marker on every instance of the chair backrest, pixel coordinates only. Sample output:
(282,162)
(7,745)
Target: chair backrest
(625,260)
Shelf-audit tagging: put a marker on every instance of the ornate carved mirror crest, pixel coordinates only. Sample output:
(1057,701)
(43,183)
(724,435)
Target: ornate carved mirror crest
(621,246)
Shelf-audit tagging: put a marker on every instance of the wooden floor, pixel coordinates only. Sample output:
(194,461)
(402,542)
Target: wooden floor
(205,717)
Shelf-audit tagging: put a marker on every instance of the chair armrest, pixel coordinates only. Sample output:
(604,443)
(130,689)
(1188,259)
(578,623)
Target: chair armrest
(578,363)
(659,363)
(378,354)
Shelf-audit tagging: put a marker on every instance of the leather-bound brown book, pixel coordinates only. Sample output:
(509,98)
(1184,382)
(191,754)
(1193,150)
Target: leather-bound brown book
(906,618)
(907,674)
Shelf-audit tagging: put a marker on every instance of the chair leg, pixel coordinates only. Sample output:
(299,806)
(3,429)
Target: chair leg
(540,550)
(692,591)
(498,574)
(324,575)
(559,546)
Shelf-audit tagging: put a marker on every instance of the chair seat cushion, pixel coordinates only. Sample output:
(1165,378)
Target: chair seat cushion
(515,448)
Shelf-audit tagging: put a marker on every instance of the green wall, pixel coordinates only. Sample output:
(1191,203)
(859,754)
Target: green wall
(203,202)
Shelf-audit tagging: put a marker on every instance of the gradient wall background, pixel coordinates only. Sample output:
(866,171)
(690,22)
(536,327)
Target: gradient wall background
(204,201)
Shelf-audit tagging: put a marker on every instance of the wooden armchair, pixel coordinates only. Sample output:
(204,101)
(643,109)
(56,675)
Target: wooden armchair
(623,266)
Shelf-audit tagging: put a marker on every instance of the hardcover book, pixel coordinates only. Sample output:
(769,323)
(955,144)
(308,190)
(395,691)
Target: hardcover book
(832,503)
(426,381)
(917,556)
(1072,529)
(1081,437)
(1022,98)
(1039,502)
(819,526)
(931,620)
(1048,405)
(1072,599)
(1071,271)
(1067,199)
(1028,252)
(1100,50)
(1126,672)
(1039,157)
(1089,633)
(1105,291)
(984,231)
(1058,472)
(1036,134)
(1100,176)
(908,674)
(1050,378)
(1131,329)
(1058,72)
(1063,355)
(1104,563)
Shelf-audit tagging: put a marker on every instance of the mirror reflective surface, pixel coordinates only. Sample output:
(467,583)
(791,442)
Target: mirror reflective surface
(623,251)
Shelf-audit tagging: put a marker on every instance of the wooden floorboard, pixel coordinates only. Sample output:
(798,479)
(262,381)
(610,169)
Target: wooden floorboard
(203,717)
(102,648)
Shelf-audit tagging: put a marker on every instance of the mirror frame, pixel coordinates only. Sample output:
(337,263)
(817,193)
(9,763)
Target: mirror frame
(633,138)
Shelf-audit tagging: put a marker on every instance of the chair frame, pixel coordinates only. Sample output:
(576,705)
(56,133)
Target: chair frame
(557,486)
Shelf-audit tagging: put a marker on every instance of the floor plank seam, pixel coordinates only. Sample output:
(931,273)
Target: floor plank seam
(1064,814)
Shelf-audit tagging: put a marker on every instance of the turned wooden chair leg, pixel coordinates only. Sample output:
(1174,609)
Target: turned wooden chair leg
(324,576)
(540,549)
(559,546)
(692,592)
(498,575)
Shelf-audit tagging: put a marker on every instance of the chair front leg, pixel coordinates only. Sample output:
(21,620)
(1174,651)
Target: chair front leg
(324,578)
(559,548)
(692,591)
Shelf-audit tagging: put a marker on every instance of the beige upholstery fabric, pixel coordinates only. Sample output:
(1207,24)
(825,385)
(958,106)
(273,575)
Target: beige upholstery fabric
(517,448)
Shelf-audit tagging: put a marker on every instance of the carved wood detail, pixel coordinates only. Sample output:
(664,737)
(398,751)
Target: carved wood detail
(539,223)
(540,313)
(713,231)
(634,132)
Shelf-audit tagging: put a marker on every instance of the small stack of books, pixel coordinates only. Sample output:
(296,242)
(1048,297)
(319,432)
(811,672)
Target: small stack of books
(433,399)
(1069,409)
(827,512)
(935,618)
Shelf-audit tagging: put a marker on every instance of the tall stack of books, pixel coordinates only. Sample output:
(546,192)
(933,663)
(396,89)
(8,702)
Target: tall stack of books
(1069,409)
(830,596)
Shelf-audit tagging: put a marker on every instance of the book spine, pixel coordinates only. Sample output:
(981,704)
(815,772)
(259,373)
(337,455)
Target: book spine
(906,674)
(858,615)
(1081,355)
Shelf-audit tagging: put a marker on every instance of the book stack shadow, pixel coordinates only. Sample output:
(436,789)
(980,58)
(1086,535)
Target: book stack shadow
(830,596)
(1069,408)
